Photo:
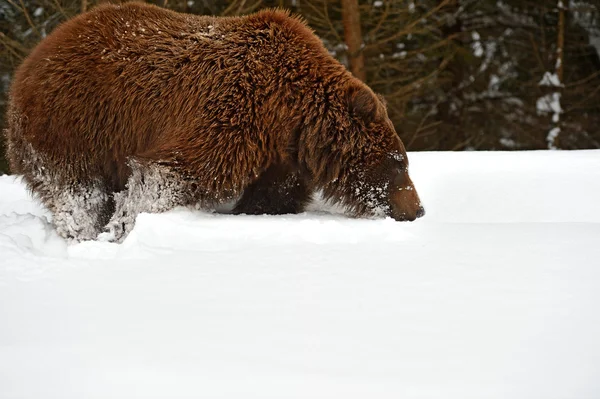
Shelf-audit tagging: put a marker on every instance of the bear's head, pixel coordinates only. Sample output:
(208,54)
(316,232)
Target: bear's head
(373,179)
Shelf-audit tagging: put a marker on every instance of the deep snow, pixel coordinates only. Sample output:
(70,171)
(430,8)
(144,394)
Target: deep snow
(493,294)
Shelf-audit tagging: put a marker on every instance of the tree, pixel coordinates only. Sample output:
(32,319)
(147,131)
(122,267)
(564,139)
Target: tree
(353,38)
(456,74)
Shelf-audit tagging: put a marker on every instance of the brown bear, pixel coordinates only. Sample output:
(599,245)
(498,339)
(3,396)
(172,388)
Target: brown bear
(133,108)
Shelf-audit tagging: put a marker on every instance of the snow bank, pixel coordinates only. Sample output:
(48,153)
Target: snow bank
(513,187)
(492,295)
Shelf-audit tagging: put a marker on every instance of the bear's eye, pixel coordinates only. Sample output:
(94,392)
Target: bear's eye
(401,169)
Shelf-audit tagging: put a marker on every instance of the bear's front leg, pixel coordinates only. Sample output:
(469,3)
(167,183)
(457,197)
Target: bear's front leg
(79,211)
(151,188)
(278,190)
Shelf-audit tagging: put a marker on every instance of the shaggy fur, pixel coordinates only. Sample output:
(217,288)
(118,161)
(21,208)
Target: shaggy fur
(134,108)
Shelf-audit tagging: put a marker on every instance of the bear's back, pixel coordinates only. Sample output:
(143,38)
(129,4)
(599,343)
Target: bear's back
(99,89)
(119,81)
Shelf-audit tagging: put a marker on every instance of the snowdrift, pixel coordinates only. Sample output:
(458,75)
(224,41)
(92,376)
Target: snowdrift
(493,294)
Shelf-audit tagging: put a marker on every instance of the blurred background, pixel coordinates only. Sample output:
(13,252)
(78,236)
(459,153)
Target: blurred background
(457,74)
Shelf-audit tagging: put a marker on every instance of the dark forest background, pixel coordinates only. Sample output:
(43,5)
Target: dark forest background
(457,74)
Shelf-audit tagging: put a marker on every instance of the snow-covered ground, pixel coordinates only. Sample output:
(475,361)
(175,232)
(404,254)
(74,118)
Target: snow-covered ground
(495,293)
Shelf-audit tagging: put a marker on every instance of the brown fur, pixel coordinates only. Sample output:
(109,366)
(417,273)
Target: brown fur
(219,107)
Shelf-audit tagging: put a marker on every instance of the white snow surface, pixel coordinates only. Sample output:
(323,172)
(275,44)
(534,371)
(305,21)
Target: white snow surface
(493,294)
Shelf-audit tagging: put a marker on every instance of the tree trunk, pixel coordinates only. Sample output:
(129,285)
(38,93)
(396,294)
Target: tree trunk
(353,38)
(560,50)
(553,137)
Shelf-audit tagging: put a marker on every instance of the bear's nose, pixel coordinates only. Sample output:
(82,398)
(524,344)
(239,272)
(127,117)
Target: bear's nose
(420,212)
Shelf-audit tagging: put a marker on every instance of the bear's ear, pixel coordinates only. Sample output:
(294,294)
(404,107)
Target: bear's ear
(383,100)
(363,104)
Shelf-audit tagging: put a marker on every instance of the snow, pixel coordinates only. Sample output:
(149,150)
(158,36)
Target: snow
(551,137)
(550,103)
(493,294)
(550,79)
(476,45)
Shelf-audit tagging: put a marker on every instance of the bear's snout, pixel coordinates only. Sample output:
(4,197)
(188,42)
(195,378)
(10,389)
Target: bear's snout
(404,217)
(405,203)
